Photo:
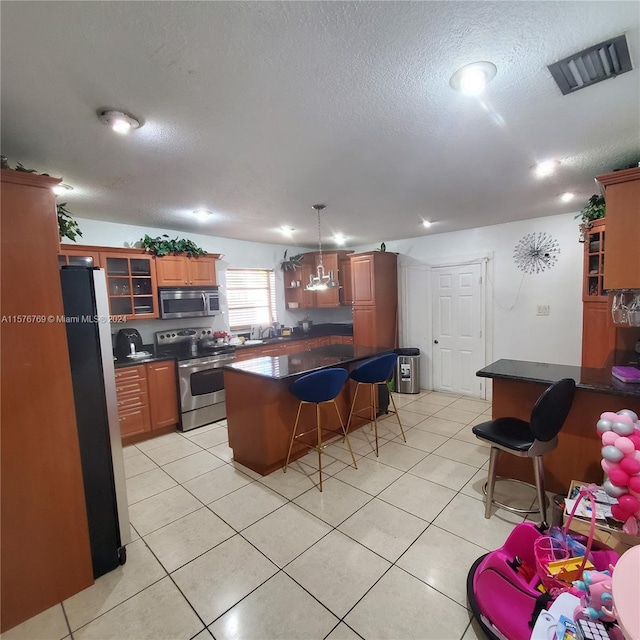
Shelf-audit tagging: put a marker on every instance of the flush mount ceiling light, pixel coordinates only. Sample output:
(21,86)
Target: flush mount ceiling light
(339,239)
(426,224)
(61,188)
(203,214)
(287,231)
(321,281)
(473,78)
(567,196)
(119,121)
(545,168)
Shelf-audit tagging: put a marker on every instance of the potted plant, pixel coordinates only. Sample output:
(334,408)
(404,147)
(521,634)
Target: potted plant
(593,210)
(292,263)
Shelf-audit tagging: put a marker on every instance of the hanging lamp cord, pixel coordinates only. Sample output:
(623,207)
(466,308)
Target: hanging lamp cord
(320,241)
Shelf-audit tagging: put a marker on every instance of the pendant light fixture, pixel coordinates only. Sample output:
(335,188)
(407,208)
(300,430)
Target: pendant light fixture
(321,281)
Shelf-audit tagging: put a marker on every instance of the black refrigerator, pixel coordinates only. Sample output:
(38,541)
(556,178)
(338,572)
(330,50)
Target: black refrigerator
(86,307)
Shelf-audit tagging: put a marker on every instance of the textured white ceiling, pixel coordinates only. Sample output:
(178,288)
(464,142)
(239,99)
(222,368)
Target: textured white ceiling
(257,110)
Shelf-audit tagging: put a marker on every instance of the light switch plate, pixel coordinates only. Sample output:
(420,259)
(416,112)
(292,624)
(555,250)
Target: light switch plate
(543,310)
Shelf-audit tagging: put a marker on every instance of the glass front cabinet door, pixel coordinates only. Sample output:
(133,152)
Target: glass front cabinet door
(131,285)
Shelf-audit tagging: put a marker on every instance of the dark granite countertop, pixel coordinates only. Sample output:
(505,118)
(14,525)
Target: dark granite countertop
(293,364)
(598,380)
(130,362)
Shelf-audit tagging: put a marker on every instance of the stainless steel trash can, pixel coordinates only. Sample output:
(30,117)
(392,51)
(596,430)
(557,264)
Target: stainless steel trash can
(408,371)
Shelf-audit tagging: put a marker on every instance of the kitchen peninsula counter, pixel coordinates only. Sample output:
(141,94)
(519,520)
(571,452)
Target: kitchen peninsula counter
(261,411)
(516,387)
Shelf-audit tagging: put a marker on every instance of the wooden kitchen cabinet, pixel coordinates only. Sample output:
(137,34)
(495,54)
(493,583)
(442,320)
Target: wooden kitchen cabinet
(598,334)
(593,270)
(307,269)
(330,298)
(622,196)
(78,257)
(133,400)
(147,400)
(375,298)
(163,394)
(131,284)
(175,271)
(346,292)
(336,262)
(44,533)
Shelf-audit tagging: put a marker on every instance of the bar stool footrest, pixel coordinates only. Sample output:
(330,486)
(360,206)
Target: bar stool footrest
(509,507)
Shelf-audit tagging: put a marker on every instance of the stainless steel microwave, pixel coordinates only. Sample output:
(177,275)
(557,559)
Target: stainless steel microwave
(188,302)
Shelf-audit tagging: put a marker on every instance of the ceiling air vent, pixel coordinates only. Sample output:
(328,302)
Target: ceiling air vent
(600,62)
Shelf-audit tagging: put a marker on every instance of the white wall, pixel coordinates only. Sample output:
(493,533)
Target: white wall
(238,254)
(515,331)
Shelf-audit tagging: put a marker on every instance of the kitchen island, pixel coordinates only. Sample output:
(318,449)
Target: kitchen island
(261,412)
(516,387)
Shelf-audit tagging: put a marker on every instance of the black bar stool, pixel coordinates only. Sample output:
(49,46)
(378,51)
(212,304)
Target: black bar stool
(317,388)
(374,372)
(528,439)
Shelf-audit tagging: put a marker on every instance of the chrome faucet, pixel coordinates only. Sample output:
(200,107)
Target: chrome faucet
(266,331)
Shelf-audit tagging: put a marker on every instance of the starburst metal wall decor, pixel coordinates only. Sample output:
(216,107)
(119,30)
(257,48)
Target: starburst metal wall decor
(536,252)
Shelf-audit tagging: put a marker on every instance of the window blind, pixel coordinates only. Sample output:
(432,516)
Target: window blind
(251,297)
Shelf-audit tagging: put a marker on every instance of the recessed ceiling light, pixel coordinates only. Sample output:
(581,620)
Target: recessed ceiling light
(61,188)
(339,238)
(119,121)
(545,168)
(287,231)
(473,78)
(426,223)
(203,214)
(567,196)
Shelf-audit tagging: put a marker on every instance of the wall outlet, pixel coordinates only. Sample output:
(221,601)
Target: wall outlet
(542,310)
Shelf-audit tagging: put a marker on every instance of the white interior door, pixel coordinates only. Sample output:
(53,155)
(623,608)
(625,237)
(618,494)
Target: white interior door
(458,342)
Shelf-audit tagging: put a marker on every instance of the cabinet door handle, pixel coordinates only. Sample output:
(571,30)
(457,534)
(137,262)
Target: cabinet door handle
(435,342)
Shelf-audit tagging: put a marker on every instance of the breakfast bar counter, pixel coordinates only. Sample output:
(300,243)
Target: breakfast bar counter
(516,387)
(261,412)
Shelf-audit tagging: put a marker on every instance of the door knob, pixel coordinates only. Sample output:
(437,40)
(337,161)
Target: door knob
(435,342)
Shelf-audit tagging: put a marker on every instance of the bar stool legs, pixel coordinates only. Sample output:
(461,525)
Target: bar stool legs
(491,480)
(373,387)
(318,429)
(538,472)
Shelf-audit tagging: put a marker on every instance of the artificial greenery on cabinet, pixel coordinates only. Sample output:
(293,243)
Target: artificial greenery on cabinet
(593,210)
(164,245)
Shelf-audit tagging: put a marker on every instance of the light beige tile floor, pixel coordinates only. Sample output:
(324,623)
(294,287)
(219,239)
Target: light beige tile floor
(218,551)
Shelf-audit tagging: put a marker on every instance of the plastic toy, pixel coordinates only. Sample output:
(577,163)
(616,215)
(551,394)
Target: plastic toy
(596,602)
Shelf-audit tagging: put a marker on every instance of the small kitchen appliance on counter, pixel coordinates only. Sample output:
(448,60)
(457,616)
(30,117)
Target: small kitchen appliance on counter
(128,342)
(200,362)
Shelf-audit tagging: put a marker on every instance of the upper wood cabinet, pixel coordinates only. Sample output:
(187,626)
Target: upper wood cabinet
(330,297)
(622,257)
(375,298)
(176,271)
(44,534)
(78,257)
(297,297)
(346,292)
(374,278)
(593,270)
(131,284)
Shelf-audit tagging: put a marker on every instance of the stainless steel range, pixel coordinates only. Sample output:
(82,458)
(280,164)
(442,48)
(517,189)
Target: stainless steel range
(200,362)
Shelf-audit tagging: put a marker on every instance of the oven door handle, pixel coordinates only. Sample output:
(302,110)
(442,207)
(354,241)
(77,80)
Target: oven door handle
(196,368)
